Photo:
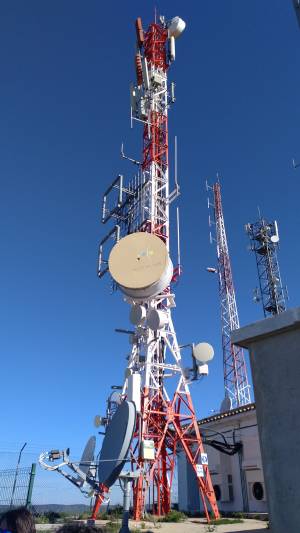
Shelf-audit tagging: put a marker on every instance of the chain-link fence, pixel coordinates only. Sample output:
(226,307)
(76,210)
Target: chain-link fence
(16,487)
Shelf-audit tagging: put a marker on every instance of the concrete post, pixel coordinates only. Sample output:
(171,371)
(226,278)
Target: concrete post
(274,346)
(126,506)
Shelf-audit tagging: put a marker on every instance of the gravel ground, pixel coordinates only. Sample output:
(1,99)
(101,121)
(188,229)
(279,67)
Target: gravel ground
(192,525)
(195,525)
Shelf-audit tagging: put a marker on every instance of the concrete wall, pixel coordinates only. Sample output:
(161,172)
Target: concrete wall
(274,345)
(229,473)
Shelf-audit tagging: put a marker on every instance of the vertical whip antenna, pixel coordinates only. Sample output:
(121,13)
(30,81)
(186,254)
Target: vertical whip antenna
(178,239)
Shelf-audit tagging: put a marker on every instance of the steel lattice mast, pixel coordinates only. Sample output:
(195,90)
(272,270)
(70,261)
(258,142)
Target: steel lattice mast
(237,388)
(264,239)
(166,418)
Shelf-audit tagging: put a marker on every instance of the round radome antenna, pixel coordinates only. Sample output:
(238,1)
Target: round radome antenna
(203,352)
(88,455)
(137,314)
(156,319)
(116,443)
(176,27)
(141,266)
(225,405)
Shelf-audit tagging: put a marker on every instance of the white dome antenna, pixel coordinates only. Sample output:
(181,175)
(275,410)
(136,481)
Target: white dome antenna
(176,27)
(203,352)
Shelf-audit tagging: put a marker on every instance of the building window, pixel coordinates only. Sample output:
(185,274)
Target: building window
(258,490)
(230,487)
(217,492)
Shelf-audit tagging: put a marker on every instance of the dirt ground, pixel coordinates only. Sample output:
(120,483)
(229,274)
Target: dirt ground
(192,525)
(196,525)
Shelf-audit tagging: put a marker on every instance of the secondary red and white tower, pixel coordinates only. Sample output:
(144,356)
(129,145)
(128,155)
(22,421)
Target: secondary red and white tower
(237,388)
(155,377)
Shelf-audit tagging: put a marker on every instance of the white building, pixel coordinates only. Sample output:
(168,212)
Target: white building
(238,479)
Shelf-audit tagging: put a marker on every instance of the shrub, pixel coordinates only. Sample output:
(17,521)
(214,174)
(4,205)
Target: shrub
(238,515)
(41,519)
(84,516)
(112,526)
(173,516)
(53,517)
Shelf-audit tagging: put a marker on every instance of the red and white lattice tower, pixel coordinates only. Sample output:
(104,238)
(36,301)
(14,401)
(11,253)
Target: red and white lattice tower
(166,417)
(237,388)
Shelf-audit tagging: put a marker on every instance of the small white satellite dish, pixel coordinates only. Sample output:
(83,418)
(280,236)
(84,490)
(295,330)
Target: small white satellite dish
(203,352)
(275,237)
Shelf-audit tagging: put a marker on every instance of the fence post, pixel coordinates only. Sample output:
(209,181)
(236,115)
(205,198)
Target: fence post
(30,485)
(16,476)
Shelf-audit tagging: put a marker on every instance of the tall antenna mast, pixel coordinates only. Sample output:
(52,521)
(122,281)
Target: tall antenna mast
(264,242)
(140,210)
(237,388)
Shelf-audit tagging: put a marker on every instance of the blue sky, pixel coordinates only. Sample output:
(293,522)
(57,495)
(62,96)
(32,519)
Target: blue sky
(65,73)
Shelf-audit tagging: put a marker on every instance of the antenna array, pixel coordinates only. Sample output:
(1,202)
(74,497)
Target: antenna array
(264,242)
(165,414)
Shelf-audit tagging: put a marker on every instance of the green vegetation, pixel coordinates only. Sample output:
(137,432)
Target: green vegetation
(173,516)
(113,514)
(113,526)
(41,519)
(52,517)
(222,521)
(238,515)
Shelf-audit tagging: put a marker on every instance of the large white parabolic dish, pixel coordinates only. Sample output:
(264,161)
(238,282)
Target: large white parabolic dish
(141,265)
(116,443)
